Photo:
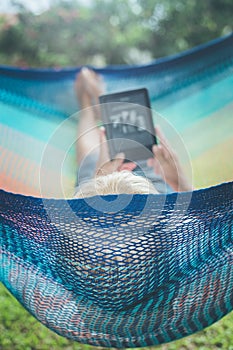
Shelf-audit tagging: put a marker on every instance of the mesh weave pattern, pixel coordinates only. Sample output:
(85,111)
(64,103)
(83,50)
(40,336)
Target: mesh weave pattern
(156,270)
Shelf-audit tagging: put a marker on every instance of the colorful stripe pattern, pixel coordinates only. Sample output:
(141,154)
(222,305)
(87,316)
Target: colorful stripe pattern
(192,91)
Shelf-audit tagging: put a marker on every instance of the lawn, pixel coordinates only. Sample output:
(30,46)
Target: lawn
(21,331)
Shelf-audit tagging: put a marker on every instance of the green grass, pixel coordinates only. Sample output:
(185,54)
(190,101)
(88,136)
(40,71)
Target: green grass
(21,331)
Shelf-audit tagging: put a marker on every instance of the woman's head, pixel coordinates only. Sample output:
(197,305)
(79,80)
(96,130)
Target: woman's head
(115,183)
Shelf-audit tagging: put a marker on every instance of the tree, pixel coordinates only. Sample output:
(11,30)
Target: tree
(110,32)
(182,24)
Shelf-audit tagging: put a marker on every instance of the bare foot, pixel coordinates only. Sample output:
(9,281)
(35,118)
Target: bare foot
(88,87)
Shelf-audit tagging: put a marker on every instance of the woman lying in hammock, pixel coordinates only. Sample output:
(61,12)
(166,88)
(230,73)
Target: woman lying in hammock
(98,174)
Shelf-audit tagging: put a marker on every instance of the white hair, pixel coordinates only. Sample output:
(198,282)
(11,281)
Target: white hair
(115,183)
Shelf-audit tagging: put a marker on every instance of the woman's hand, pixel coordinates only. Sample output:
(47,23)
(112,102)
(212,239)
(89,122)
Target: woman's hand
(106,166)
(166,164)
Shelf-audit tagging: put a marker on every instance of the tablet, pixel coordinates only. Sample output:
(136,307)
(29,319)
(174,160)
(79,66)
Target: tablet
(128,122)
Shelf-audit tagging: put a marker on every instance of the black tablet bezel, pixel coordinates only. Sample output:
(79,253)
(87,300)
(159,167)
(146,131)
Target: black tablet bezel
(137,153)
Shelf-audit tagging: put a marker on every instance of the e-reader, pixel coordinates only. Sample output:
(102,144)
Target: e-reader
(127,118)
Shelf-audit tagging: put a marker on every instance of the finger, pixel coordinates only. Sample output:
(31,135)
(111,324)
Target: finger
(110,167)
(150,162)
(102,129)
(168,151)
(157,167)
(161,137)
(115,164)
(158,151)
(130,166)
(118,161)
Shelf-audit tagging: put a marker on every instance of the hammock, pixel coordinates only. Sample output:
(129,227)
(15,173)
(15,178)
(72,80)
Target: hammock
(118,271)
(192,91)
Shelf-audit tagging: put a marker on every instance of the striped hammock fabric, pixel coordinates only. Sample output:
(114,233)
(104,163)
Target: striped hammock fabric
(127,270)
(193,93)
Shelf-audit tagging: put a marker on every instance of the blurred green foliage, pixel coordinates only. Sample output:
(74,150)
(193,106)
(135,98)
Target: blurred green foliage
(106,32)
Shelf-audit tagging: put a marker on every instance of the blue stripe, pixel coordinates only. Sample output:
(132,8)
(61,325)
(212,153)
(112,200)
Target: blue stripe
(162,63)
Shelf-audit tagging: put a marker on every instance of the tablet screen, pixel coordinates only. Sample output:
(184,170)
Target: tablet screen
(128,122)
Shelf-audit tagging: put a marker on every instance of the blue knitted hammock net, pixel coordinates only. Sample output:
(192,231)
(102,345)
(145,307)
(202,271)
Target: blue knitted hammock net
(119,270)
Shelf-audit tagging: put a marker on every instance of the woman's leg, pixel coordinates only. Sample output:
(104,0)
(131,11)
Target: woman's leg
(87,134)
(88,88)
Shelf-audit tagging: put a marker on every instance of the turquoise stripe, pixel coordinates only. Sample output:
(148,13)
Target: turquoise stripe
(36,127)
(185,112)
